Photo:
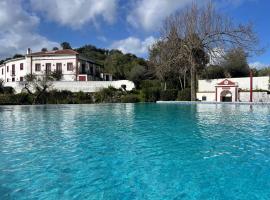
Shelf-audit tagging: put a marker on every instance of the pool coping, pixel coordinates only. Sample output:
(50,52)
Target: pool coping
(223,103)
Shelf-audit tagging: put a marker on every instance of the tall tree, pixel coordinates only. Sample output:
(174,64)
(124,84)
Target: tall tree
(65,45)
(264,71)
(204,31)
(235,63)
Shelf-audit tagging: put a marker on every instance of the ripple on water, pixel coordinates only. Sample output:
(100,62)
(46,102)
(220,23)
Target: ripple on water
(135,151)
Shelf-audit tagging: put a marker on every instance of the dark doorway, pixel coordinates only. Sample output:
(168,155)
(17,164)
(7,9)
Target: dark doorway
(226,96)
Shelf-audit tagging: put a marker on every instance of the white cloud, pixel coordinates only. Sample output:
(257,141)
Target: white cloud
(258,65)
(133,45)
(76,13)
(149,14)
(17,31)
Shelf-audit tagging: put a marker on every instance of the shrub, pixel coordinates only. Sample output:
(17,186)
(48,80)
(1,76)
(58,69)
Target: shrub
(57,75)
(168,95)
(82,97)
(108,95)
(184,95)
(22,99)
(130,98)
(8,90)
(151,94)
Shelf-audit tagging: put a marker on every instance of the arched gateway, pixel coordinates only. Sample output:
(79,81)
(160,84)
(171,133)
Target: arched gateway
(226,96)
(226,91)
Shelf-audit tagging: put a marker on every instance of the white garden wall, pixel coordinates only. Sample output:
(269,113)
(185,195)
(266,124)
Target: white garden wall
(77,86)
(243,83)
(257,96)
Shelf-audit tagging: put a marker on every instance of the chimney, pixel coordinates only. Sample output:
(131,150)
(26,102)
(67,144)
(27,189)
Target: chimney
(29,51)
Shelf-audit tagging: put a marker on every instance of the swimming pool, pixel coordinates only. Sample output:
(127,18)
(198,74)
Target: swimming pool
(135,151)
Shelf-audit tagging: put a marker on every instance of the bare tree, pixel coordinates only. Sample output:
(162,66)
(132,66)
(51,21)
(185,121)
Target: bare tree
(160,59)
(204,32)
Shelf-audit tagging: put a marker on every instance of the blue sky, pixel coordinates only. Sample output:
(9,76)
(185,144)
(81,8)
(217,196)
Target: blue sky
(129,25)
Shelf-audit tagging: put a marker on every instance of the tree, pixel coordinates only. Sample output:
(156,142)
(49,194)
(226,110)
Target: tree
(44,49)
(65,45)
(203,31)
(264,71)
(137,74)
(55,48)
(37,86)
(18,56)
(235,63)
(120,65)
(213,72)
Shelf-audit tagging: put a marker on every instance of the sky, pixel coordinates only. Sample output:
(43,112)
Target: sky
(128,25)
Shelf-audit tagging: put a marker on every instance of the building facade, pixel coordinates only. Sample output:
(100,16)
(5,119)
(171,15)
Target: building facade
(69,63)
(234,90)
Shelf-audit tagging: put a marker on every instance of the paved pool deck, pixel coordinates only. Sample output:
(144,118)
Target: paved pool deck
(203,102)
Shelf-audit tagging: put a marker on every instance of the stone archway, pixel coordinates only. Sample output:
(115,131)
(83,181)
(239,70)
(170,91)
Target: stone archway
(226,96)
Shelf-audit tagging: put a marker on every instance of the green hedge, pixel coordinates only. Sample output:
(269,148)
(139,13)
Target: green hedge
(108,95)
(7,90)
(184,95)
(151,94)
(130,98)
(15,99)
(168,95)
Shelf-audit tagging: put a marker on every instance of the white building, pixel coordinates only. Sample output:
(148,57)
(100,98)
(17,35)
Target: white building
(73,66)
(234,90)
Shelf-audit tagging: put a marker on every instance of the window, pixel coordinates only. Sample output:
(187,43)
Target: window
(59,67)
(48,68)
(37,67)
(7,69)
(69,66)
(13,79)
(21,79)
(204,98)
(7,80)
(21,66)
(2,71)
(13,71)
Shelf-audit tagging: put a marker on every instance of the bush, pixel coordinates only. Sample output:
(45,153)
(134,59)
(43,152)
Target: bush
(15,99)
(57,75)
(82,97)
(184,95)
(5,100)
(8,90)
(108,95)
(22,99)
(130,98)
(151,94)
(168,95)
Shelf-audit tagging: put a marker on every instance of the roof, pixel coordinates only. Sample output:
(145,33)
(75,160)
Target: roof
(56,52)
(13,59)
(227,82)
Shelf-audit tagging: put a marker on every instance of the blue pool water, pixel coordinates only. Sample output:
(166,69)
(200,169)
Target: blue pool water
(135,151)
